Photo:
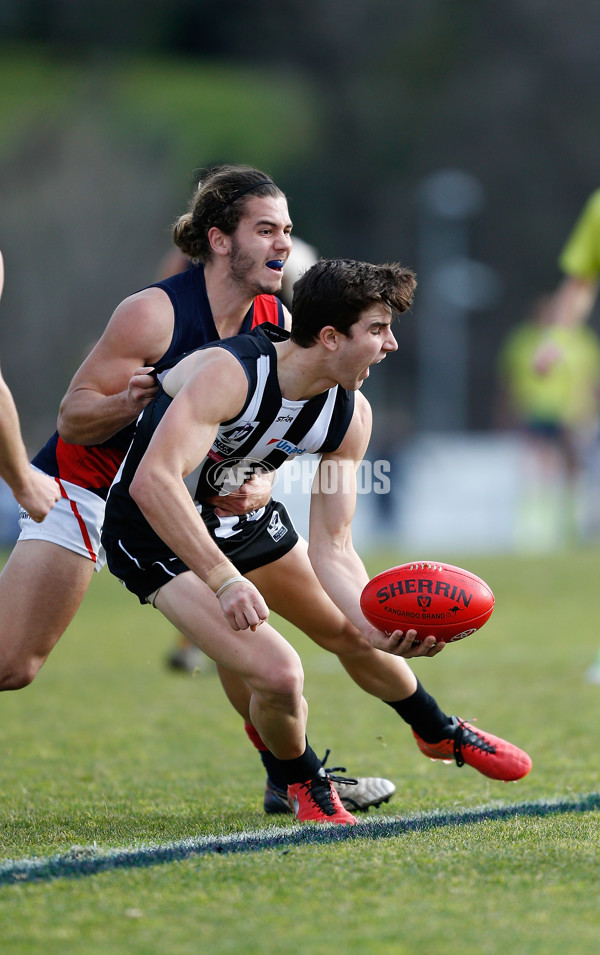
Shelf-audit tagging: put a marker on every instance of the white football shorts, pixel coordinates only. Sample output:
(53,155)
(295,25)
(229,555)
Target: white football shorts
(75,522)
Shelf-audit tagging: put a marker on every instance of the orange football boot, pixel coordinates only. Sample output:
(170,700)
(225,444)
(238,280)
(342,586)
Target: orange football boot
(318,801)
(490,755)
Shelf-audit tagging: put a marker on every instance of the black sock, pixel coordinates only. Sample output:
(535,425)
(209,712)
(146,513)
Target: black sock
(302,768)
(275,769)
(423,714)
(298,770)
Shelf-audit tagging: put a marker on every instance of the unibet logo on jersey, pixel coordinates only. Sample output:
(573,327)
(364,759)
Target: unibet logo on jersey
(282,445)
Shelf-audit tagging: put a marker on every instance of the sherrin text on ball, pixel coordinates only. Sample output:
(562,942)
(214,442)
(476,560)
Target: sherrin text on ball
(429,597)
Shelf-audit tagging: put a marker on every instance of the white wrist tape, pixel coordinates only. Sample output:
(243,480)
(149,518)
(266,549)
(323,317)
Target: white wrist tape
(237,579)
(221,572)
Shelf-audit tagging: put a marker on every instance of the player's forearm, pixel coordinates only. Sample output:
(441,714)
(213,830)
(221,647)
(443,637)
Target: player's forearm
(14,463)
(573,301)
(165,502)
(167,506)
(86,417)
(342,575)
(34,491)
(14,466)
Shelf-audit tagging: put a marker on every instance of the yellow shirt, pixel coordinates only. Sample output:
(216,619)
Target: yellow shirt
(568,394)
(580,256)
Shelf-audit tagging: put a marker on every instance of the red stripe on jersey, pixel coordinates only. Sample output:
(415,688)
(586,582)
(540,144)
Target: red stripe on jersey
(267,308)
(90,467)
(80,521)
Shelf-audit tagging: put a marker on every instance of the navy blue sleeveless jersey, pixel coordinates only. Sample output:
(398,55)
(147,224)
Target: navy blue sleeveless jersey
(268,431)
(94,466)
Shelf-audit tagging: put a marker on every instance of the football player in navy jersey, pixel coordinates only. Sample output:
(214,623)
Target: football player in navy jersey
(248,403)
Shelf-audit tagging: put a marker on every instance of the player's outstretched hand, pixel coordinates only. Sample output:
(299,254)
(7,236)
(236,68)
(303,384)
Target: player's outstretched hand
(141,389)
(403,644)
(243,606)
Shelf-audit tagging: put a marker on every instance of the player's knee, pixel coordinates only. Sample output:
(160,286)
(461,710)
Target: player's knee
(285,685)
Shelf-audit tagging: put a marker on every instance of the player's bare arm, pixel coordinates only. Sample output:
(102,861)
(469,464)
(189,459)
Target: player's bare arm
(331,551)
(571,305)
(179,444)
(573,301)
(34,491)
(257,490)
(113,385)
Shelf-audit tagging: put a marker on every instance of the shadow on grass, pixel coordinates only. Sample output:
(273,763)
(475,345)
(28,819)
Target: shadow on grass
(83,861)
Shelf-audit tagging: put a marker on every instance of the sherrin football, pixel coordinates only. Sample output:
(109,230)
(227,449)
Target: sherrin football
(431,598)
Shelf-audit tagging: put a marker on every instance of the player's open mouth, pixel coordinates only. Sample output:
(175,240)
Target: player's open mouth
(276,265)
(367,370)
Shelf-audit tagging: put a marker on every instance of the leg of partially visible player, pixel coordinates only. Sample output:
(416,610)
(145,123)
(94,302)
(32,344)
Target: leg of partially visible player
(41,588)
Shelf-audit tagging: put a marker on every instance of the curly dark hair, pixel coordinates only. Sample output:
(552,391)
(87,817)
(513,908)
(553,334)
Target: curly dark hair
(336,291)
(219,200)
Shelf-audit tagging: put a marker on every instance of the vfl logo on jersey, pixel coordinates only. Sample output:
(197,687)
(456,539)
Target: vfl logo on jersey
(228,441)
(229,476)
(276,527)
(282,445)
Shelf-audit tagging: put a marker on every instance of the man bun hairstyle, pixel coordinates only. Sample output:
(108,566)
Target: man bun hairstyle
(336,291)
(219,200)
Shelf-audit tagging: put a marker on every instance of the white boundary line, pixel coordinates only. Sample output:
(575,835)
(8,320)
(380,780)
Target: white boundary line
(89,860)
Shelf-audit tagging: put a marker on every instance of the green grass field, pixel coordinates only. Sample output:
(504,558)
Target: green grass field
(108,750)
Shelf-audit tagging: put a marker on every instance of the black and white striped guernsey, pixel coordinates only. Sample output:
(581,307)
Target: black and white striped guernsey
(268,431)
